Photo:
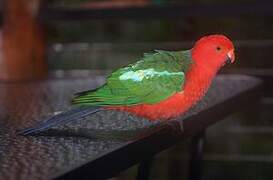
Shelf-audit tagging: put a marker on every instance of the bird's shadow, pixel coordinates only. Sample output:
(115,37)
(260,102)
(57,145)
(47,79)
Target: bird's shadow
(99,134)
(112,134)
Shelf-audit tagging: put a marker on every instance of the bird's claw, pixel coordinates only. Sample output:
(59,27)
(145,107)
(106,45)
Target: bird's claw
(176,126)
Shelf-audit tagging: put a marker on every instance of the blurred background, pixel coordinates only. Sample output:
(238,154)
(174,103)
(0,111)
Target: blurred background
(72,35)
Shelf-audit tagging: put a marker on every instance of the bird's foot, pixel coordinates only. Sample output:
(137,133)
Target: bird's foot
(176,126)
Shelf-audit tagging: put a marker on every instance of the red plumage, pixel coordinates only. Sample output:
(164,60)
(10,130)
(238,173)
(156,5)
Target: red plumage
(207,60)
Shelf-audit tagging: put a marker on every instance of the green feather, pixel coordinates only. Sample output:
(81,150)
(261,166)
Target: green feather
(150,80)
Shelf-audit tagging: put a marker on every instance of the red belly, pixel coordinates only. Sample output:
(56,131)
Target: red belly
(169,108)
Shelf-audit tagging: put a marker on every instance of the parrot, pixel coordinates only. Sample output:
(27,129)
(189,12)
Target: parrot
(160,86)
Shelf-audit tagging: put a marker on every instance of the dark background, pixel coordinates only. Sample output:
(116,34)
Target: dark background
(238,148)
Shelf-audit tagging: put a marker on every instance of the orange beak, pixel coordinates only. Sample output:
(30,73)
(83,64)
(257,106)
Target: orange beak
(231,56)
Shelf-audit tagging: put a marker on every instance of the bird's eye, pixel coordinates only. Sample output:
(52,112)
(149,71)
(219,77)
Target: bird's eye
(218,48)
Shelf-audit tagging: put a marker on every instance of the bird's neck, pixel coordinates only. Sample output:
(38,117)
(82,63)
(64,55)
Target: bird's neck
(198,79)
(203,67)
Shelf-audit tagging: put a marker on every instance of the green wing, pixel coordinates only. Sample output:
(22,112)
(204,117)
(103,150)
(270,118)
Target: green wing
(152,79)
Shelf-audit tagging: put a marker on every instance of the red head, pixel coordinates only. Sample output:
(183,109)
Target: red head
(213,51)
